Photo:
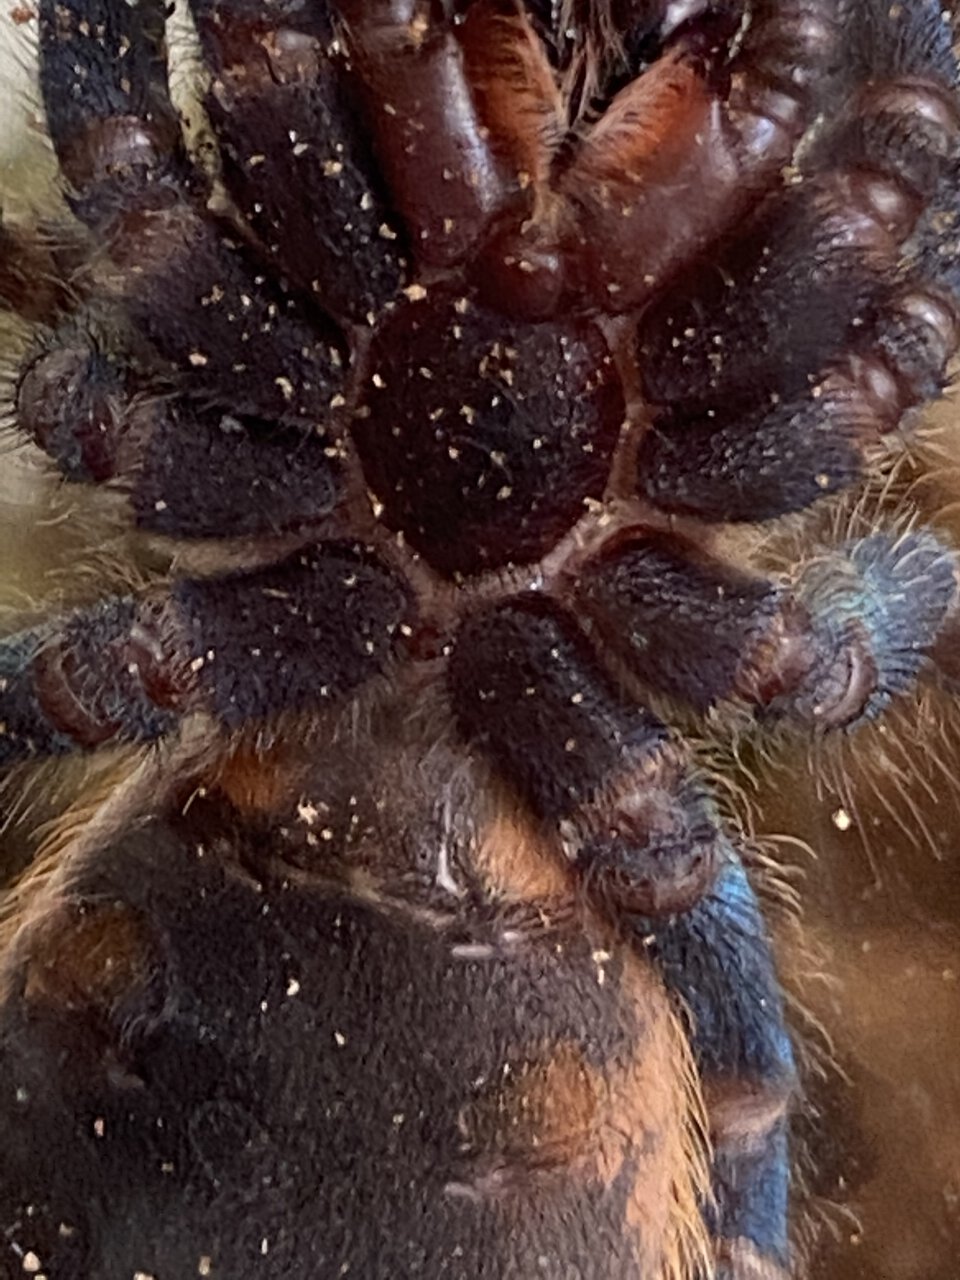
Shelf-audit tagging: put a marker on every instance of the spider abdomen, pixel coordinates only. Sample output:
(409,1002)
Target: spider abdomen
(403,1143)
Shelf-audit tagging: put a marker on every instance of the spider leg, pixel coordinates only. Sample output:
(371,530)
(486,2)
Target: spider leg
(669,166)
(433,146)
(295,156)
(716,958)
(182,464)
(826,651)
(772,383)
(181,277)
(642,829)
(634,816)
(635,224)
(240,647)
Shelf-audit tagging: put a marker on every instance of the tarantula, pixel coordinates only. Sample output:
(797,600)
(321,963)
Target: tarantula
(420,943)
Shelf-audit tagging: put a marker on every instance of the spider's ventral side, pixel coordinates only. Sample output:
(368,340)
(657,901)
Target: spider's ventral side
(416,941)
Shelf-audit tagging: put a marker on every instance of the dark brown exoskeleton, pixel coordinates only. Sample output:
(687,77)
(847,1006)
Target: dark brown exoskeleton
(418,945)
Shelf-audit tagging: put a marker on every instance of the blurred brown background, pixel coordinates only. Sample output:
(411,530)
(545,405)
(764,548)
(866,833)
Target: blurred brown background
(885,914)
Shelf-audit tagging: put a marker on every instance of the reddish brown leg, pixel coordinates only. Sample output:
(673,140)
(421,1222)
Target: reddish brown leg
(679,154)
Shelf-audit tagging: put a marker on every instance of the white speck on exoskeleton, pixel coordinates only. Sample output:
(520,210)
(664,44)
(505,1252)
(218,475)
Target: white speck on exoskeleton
(445,878)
